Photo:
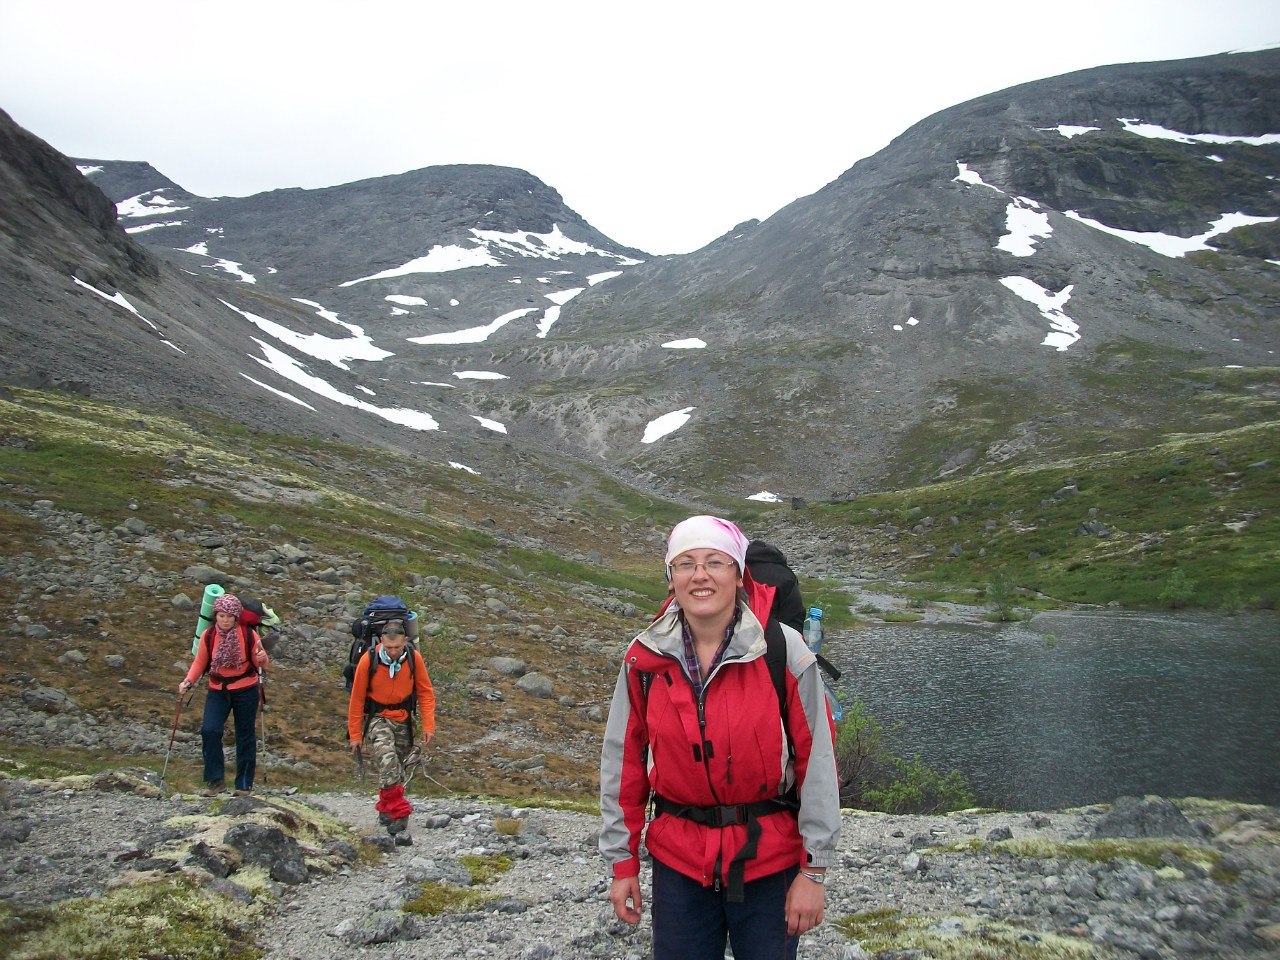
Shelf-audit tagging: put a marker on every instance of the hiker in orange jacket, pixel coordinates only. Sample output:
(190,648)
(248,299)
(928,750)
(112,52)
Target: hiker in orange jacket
(389,682)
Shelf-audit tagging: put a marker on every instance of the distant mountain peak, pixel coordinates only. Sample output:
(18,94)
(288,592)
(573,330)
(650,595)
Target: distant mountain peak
(1034,272)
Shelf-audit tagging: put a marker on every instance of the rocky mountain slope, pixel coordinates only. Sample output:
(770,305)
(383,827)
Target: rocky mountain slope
(85,307)
(1009,281)
(993,283)
(423,253)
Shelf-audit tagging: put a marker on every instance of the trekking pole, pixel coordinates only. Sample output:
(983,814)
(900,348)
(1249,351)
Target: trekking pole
(359,763)
(416,762)
(411,764)
(262,704)
(172,736)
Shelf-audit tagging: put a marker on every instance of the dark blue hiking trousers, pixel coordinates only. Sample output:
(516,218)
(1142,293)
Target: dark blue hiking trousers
(217,705)
(693,922)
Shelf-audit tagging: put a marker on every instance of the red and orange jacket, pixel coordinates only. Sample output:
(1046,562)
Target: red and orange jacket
(250,642)
(654,745)
(390,691)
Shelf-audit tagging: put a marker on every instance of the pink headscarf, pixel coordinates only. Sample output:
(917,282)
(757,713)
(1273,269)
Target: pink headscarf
(227,658)
(706,532)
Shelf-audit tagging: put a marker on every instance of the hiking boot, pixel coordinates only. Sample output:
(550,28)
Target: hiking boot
(242,793)
(403,839)
(214,789)
(398,826)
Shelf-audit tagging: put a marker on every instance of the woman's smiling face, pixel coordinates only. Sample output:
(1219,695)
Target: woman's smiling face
(708,588)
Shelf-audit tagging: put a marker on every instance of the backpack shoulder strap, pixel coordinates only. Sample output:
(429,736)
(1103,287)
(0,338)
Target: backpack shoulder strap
(828,667)
(207,638)
(411,702)
(413,678)
(775,658)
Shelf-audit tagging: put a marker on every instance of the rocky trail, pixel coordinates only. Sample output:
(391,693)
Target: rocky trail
(309,877)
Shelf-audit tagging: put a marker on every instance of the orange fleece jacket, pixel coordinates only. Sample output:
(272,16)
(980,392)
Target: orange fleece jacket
(385,689)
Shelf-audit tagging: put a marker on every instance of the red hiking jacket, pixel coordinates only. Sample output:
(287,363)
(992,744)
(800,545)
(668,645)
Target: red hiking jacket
(650,745)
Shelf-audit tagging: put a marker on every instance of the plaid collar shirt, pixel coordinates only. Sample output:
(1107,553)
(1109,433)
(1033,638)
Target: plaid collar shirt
(691,664)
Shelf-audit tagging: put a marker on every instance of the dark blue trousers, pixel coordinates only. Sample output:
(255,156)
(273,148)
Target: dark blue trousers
(217,705)
(693,922)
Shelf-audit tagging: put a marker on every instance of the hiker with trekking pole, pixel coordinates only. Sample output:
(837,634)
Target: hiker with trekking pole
(390,683)
(719,720)
(233,655)
(173,735)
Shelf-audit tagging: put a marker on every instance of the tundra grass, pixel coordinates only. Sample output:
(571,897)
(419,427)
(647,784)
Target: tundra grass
(436,897)
(1154,852)
(167,918)
(888,932)
(84,470)
(1205,506)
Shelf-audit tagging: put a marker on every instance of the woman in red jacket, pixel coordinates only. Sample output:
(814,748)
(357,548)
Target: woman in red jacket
(389,682)
(747,812)
(233,655)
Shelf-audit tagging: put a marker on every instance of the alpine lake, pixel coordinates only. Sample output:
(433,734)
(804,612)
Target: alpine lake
(1080,707)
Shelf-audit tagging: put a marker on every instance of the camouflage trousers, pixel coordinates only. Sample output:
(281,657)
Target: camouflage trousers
(387,744)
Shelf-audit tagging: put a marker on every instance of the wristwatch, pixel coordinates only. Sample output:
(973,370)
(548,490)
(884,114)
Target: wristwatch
(819,878)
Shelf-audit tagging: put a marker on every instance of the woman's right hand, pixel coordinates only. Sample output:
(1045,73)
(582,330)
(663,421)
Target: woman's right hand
(183,687)
(624,894)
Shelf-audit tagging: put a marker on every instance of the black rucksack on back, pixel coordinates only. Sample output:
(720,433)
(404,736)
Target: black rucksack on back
(366,629)
(767,564)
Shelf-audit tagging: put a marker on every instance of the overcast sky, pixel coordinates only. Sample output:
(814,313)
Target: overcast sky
(663,123)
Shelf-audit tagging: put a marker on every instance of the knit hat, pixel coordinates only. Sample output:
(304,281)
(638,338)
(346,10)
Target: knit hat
(709,533)
(228,603)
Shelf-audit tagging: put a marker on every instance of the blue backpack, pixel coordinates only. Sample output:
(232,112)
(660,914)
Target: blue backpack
(366,629)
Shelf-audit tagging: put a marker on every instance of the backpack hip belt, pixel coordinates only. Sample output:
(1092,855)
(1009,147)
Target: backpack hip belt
(226,681)
(408,703)
(748,814)
(724,816)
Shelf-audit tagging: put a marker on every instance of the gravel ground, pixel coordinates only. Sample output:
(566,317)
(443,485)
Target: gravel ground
(65,839)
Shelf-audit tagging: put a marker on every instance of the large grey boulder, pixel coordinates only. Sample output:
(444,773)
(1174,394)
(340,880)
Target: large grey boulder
(1134,817)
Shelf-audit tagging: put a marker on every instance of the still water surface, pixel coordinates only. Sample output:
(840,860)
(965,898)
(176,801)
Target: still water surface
(1075,708)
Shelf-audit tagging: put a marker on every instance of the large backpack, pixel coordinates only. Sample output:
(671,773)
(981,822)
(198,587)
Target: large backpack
(767,564)
(254,613)
(366,629)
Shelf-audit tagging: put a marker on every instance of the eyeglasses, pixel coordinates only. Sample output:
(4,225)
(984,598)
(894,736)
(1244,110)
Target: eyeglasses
(714,567)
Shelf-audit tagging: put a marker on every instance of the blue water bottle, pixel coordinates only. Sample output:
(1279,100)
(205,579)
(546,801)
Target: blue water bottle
(813,629)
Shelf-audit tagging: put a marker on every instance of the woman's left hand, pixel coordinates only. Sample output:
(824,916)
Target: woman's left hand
(806,905)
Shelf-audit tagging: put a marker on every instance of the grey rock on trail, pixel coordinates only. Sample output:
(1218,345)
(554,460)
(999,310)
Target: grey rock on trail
(1214,891)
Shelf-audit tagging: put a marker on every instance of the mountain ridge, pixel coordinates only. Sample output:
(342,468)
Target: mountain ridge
(843,335)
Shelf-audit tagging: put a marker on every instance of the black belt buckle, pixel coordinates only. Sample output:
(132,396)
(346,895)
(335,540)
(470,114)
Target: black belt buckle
(729,816)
